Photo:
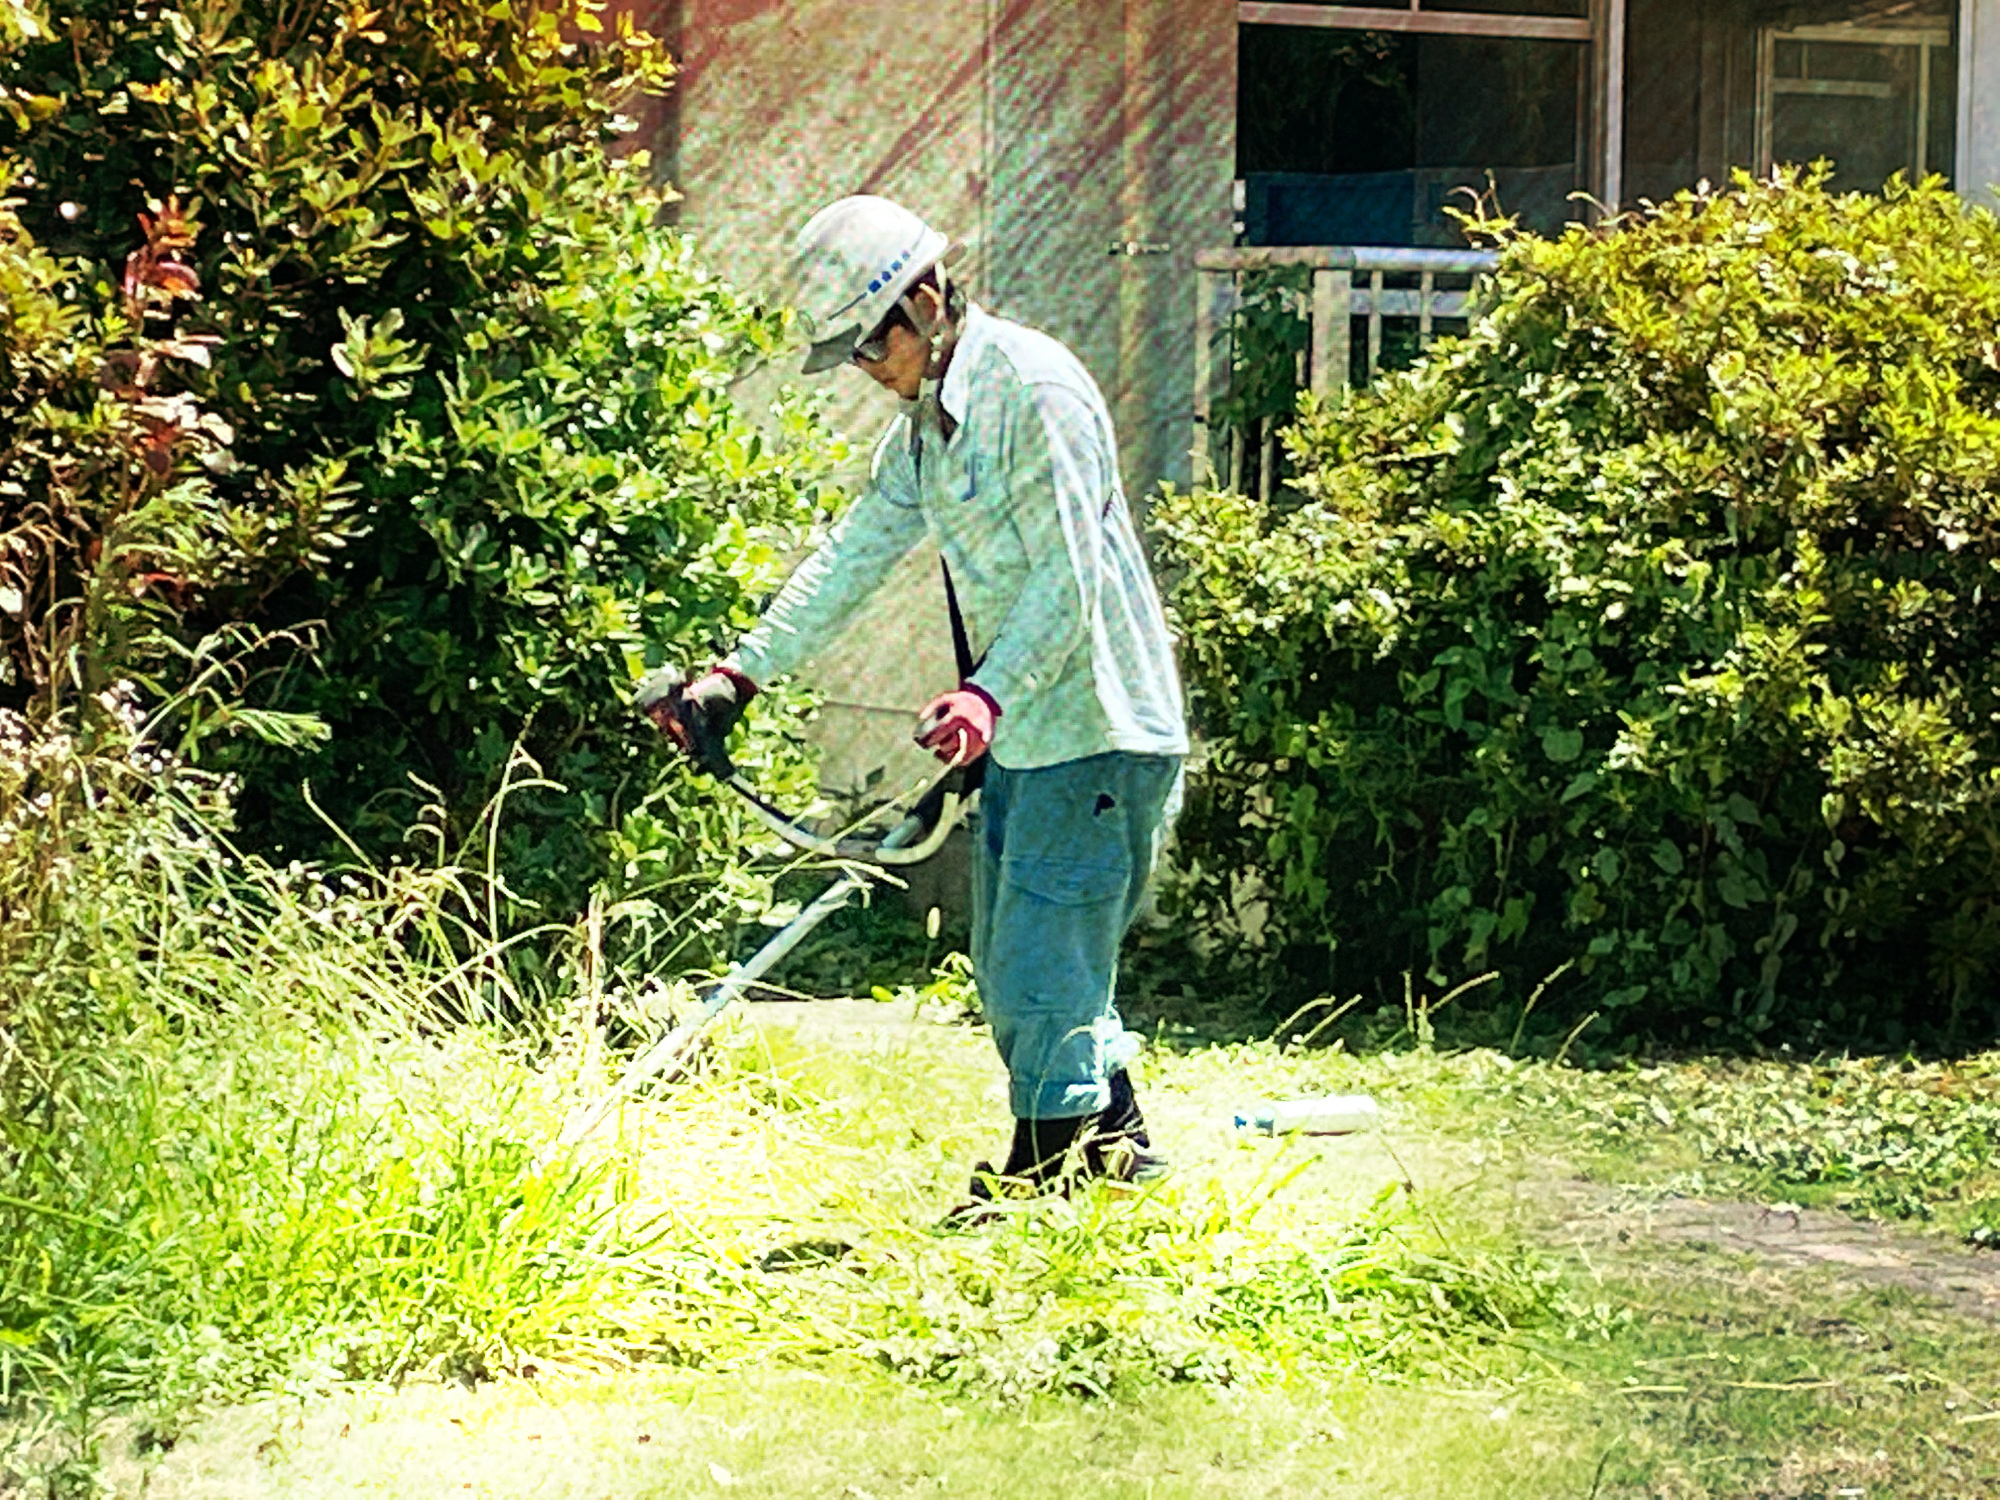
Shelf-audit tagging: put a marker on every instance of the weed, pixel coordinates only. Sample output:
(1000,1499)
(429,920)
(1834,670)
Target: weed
(951,994)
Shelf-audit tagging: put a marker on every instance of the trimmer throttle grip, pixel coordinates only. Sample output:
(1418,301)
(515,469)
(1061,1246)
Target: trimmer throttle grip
(706,742)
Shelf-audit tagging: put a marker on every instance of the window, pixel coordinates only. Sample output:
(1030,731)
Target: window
(1370,136)
(1873,100)
(1714,85)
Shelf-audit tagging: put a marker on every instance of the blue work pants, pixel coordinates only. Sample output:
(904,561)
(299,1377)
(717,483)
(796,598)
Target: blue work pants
(1060,862)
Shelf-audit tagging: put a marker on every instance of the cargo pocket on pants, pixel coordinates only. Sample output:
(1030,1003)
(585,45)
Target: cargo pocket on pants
(1066,882)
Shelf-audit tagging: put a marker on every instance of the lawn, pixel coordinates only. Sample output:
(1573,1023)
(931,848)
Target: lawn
(1533,1280)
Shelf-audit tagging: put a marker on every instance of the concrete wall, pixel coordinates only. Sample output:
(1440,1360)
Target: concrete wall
(1180,150)
(1113,123)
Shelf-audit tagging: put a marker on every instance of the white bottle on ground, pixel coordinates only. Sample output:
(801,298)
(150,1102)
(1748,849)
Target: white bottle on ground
(1336,1114)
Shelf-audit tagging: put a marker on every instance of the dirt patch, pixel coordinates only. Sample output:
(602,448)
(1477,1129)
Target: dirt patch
(1782,1237)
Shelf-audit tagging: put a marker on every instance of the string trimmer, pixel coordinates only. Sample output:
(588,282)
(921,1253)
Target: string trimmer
(918,835)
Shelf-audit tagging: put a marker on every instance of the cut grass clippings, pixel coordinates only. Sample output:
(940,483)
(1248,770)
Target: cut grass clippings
(1894,1138)
(1862,1362)
(817,1183)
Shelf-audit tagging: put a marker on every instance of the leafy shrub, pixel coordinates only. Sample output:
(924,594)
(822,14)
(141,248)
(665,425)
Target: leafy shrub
(1643,629)
(483,436)
(1265,341)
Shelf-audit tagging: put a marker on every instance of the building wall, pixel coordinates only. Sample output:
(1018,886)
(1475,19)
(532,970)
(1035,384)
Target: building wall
(1042,132)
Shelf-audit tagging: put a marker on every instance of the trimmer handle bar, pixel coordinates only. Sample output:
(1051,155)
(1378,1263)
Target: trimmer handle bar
(920,834)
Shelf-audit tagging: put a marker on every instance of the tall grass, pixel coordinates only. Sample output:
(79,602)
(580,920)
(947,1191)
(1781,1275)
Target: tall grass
(241,1144)
(250,1140)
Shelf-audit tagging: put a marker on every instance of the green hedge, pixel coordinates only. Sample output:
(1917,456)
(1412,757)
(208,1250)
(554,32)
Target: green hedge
(485,451)
(1646,630)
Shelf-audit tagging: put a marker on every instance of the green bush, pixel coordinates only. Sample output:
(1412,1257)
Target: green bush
(484,444)
(1643,630)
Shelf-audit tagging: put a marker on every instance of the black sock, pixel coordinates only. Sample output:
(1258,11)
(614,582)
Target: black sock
(1121,1116)
(1040,1146)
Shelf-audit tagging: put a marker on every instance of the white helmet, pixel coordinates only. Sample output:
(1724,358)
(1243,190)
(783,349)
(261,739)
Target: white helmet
(851,265)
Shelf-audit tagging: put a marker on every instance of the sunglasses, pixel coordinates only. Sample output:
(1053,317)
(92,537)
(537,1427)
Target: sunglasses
(875,348)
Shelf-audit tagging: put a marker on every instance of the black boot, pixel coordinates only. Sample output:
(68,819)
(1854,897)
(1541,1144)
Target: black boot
(1035,1161)
(1112,1143)
(1119,1147)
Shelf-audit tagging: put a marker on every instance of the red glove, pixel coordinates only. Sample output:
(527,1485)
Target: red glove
(957,727)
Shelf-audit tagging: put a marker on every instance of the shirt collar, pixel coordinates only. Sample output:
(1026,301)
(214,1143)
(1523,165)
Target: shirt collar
(955,390)
(955,395)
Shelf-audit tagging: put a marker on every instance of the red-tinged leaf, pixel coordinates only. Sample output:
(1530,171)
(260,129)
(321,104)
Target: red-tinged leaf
(155,580)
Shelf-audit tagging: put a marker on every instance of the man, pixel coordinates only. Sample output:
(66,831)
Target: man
(1003,457)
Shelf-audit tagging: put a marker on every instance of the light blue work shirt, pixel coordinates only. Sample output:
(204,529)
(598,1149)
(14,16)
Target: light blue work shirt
(1024,502)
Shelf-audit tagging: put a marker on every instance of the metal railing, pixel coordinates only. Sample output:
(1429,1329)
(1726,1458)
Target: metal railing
(1351,311)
